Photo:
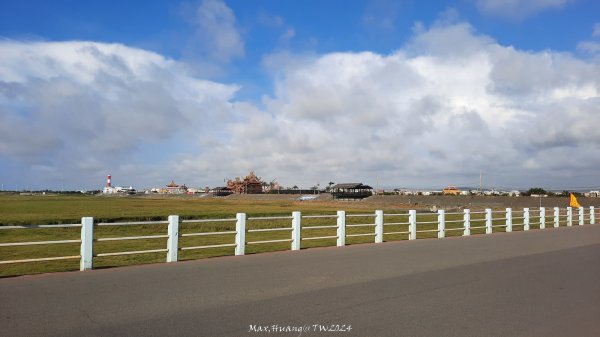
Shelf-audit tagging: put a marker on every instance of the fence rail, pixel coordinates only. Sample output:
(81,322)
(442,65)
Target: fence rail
(418,223)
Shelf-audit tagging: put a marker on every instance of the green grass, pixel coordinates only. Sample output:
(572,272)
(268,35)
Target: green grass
(17,209)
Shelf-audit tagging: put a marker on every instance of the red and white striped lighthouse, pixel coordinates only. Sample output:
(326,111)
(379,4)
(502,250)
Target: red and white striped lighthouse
(108,180)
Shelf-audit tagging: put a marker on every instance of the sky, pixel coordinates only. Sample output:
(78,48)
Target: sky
(408,94)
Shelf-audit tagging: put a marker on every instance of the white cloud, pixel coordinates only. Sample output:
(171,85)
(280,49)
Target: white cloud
(437,111)
(84,108)
(518,9)
(217,33)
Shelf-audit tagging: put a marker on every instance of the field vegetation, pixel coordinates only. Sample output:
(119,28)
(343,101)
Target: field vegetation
(48,209)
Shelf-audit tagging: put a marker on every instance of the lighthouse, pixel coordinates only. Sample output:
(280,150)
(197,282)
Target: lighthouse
(108,181)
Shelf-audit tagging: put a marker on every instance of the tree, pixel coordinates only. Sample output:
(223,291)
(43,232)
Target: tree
(331,183)
(535,190)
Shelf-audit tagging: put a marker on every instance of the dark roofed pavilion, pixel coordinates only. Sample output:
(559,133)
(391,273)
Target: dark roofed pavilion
(351,191)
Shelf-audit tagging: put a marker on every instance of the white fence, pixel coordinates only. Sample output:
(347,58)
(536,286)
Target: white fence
(485,220)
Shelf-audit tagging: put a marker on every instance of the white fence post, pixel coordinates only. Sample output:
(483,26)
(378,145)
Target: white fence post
(87,243)
(173,240)
(378,226)
(441,223)
(509,220)
(488,221)
(556,217)
(592,215)
(581,216)
(569,216)
(525,219)
(467,222)
(341,228)
(296,228)
(542,218)
(412,224)
(240,234)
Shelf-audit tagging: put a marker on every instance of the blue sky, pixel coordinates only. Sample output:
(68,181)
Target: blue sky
(279,84)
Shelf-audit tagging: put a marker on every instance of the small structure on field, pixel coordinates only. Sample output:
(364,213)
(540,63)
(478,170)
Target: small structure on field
(109,189)
(221,191)
(351,191)
(451,190)
(251,184)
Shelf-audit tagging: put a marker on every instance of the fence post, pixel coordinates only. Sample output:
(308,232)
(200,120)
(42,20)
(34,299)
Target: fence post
(569,216)
(378,226)
(240,234)
(87,243)
(467,222)
(542,218)
(556,217)
(509,220)
(341,228)
(592,215)
(173,240)
(581,216)
(441,223)
(488,221)
(296,228)
(525,219)
(412,224)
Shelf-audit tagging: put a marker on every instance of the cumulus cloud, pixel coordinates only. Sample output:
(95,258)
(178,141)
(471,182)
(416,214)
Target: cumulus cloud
(85,108)
(443,107)
(518,9)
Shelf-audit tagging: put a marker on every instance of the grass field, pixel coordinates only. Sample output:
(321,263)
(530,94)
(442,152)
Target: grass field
(19,210)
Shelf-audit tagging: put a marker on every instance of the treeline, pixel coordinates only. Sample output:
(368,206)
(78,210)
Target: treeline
(541,191)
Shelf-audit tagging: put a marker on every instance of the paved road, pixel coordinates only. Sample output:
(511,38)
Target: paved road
(537,283)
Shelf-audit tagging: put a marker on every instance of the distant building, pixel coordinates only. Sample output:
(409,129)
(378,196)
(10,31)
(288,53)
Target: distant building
(351,191)
(221,191)
(451,190)
(109,189)
(173,188)
(251,184)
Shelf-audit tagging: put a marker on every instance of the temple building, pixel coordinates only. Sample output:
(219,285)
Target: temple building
(173,188)
(251,184)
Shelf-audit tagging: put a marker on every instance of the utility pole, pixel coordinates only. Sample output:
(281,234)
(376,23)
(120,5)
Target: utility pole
(480,181)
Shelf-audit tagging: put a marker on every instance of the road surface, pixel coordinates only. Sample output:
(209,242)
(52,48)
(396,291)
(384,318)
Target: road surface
(536,283)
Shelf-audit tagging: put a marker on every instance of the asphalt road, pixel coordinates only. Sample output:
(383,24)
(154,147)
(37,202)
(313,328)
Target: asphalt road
(537,283)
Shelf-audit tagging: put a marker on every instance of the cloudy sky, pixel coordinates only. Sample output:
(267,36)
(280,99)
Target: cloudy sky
(389,93)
